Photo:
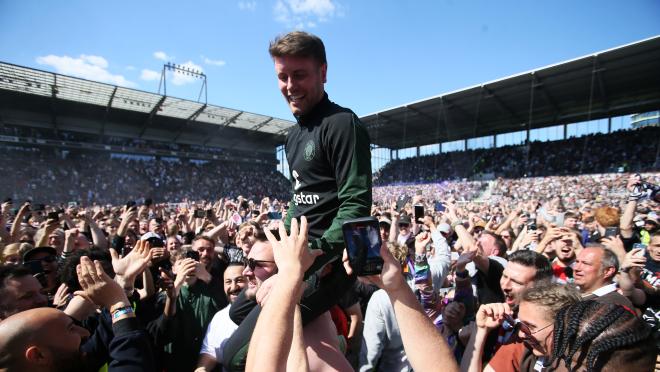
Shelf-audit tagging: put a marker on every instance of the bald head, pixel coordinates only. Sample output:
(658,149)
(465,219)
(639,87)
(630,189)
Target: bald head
(39,339)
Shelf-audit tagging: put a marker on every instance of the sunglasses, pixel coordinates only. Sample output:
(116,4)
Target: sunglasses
(48,259)
(517,324)
(253,264)
(403,225)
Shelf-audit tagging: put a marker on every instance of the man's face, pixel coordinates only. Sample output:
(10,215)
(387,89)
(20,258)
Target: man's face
(48,263)
(563,248)
(55,241)
(261,251)
(515,278)
(61,341)
(20,294)
(300,80)
(540,325)
(570,222)
(588,273)
(173,244)
(404,228)
(144,227)
(654,248)
(155,226)
(134,225)
(487,244)
(206,252)
(384,232)
(234,281)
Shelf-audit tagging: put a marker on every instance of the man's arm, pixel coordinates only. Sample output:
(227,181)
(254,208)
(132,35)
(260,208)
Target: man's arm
(350,156)
(273,335)
(425,348)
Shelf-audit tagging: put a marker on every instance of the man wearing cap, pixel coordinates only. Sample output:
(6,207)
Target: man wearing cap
(406,236)
(42,261)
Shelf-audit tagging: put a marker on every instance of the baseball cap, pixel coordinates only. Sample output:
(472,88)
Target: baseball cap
(444,228)
(405,219)
(384,221)
(155,241)
(28,256)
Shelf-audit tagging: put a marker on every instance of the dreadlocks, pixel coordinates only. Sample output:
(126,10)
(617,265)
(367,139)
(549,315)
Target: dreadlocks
(605,335)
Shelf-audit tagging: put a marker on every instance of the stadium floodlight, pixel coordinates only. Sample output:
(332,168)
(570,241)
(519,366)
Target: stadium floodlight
(184,70)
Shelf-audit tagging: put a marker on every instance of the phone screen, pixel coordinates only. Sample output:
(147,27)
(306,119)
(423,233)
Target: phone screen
(419,212)
(611,231)
(362,239)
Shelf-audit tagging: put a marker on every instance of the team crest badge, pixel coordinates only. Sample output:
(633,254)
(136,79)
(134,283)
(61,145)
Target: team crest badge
(310,150)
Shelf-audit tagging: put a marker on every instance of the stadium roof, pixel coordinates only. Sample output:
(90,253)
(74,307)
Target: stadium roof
(618,81)
(63,100)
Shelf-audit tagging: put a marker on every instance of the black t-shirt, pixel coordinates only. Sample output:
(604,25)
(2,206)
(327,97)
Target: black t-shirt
(488,284)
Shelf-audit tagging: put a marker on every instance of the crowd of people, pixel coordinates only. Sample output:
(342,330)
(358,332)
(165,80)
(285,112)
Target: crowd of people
(478,267)
(46,175)
(629,150)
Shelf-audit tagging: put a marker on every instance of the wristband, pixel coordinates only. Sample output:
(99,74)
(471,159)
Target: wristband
(462,274)
(121,312)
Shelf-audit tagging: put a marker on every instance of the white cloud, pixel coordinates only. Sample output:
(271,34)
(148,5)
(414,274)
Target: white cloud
(182,78)
(247,5)
(162,56)
(299,13)
(130,68)
(149,75)
(214,62)
(86,67)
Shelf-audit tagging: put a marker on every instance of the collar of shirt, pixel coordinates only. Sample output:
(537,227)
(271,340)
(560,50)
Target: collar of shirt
(316,113)
(602,291)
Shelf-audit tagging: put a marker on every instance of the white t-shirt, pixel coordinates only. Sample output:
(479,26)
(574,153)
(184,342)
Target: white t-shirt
(217,333)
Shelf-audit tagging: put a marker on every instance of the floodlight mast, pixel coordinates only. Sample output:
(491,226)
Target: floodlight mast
(184,70)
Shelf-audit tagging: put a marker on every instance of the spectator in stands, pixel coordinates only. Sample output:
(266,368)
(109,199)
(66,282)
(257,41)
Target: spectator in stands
(19,291)
(221,326)
(594,272)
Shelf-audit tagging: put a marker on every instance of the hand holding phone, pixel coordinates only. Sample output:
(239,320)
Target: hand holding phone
(363,243)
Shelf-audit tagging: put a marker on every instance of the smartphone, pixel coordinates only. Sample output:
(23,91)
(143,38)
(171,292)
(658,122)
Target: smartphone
(419,212)
(200,213)
(210,213)
(611,231)
(53,216)
(439,207)
(130,204)
(640,246)
(274,215)
(72,204)
(148,202)
(155,242)
(362,240)
(193,254)
(402,201)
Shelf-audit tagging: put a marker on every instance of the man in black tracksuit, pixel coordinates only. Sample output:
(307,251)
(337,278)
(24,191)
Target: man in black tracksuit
(330,164)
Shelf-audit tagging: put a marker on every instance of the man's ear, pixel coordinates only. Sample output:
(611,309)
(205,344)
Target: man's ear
(609,272)
(35,355)
(324,72)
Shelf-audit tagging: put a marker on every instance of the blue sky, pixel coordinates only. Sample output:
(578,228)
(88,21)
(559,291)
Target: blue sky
(381,53)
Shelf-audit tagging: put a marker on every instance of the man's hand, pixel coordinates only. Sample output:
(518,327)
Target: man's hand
(184,268)
(421,241)
(97,286)
(390,278)
(134,263)
(291,253)
(201,273)
(634,258)
(465,259)
(491,316)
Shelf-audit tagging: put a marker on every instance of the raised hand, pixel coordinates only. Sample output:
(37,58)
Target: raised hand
(97,286)
(491,316)
(291,252)
(134,263)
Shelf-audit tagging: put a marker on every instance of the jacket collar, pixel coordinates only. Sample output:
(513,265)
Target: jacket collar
(316,113)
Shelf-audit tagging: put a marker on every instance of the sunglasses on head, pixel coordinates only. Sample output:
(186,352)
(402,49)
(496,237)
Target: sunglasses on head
(253,264)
